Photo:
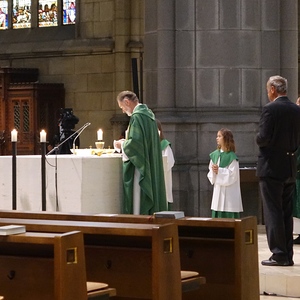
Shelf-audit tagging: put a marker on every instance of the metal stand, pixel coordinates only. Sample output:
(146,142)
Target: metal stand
(43,169)
(14,175)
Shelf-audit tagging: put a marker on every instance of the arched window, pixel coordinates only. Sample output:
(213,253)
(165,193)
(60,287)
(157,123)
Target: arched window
(21,14)
(47,13)
(3,14)
(69,8)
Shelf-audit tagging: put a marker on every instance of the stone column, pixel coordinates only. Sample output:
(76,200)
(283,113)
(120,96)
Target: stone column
(206,67)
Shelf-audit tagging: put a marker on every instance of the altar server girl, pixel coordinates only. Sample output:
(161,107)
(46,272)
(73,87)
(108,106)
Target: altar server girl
(224,174)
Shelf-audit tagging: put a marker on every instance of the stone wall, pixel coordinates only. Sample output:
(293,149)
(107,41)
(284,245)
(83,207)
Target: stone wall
(206,67)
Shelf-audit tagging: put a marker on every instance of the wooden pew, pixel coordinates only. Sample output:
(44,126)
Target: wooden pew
(38,265)
(140,260)
(224,251)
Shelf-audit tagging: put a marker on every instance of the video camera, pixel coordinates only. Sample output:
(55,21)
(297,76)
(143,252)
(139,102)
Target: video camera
(67,120)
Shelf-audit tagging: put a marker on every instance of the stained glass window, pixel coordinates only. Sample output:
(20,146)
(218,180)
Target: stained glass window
(3,15)
(21,13)
(47,13)
(17,13)
(69,11)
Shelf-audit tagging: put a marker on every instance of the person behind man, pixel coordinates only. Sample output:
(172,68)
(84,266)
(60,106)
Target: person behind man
(143,175)
(296,203)
(168,163)
(278,140)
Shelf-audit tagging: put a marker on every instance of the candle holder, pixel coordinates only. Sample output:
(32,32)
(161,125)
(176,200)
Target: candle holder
(43,174)
(14,175)
(99,145)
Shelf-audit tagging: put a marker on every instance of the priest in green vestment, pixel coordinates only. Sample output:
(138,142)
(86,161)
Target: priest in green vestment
(143,175)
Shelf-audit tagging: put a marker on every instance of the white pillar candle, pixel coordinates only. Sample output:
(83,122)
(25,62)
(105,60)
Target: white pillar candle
(43,136)
(100,135)
(14,135)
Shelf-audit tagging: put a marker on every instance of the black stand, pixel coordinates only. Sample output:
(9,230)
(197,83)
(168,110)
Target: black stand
(43,169)
(14,175)
(77,133)
(56,149)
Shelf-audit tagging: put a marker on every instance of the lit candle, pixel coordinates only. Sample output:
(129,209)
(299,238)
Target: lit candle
(100,135)
(43,136)
(14,135)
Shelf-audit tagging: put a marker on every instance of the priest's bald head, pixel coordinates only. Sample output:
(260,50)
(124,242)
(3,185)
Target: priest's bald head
(127,101)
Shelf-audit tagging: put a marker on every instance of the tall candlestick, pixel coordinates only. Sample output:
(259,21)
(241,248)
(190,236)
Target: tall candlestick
(14,168)
(43,136)
(14,135)
(43,169)
(100,135)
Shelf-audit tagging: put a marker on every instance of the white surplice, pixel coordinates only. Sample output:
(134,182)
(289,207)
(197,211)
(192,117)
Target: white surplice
(227,191)
(168,164)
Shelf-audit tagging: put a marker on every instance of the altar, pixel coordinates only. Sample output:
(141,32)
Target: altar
(79,184)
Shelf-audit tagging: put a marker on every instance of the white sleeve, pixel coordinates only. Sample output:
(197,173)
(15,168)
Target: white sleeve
(124,156)
(211,175)
(170,157)
(227,176)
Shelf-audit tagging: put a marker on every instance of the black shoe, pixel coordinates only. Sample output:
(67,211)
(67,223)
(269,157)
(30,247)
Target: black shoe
(296,241)
(273,262)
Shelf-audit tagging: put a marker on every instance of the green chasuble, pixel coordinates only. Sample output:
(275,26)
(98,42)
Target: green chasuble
(143,150)
(226,158)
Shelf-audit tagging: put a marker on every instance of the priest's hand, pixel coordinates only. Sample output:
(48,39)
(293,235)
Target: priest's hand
(118,144)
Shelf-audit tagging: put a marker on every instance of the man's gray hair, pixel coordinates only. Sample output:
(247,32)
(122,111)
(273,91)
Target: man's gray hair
(279,83)
(127,95)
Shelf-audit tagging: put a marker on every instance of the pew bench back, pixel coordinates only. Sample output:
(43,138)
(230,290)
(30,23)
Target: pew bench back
(225,251)
(42,266)
(140,260)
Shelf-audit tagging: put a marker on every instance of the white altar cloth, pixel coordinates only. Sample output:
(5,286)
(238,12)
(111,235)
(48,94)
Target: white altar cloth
(87,184)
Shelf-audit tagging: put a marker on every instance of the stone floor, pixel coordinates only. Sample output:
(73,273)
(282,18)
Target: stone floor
(281,283)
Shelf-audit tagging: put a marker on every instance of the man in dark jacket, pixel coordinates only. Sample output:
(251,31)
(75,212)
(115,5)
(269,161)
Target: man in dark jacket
(278,139)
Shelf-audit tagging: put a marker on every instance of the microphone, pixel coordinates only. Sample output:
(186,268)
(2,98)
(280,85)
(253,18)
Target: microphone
(79,131)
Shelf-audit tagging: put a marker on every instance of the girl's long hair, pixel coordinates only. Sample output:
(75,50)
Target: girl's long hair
(228,140)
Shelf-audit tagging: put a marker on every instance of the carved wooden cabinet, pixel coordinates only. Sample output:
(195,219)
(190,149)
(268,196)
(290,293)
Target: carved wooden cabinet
(27,106)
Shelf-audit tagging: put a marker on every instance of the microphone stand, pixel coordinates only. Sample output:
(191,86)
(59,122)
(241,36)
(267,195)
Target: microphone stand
(78,132)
